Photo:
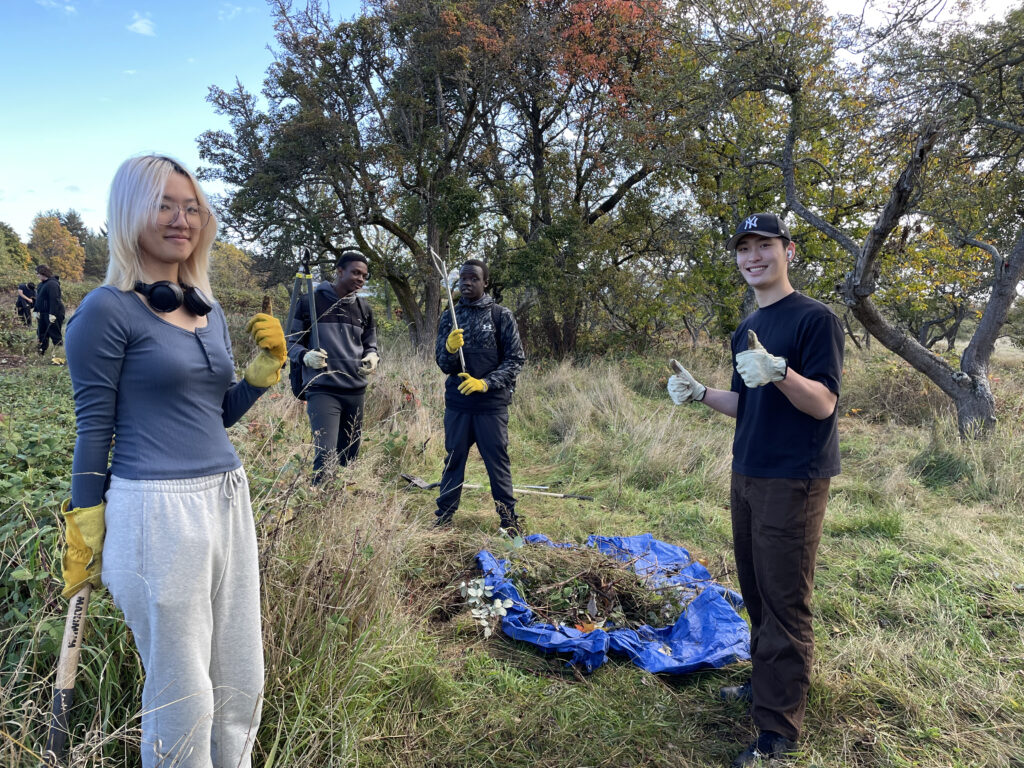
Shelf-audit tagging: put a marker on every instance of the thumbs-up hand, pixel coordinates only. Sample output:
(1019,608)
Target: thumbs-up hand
(757,366)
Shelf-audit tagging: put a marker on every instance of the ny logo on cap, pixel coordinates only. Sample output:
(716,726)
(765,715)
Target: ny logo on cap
(750,222)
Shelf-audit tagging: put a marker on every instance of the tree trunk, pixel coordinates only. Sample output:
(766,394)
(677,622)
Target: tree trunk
(975,408)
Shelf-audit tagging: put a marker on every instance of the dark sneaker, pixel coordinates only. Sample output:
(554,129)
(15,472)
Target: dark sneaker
(769,746)
(443,520)
(737,693)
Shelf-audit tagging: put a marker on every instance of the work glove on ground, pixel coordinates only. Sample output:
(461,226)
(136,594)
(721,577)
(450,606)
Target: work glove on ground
(757,366)
(683,388)
(454,341)
(470,385)
(369,364)
(315,358)
(82,561)
(265,370)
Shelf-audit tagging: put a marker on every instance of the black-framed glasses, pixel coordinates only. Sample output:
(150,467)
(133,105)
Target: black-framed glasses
(196,216)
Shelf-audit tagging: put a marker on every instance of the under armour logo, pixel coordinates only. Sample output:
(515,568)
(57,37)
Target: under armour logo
(750,222)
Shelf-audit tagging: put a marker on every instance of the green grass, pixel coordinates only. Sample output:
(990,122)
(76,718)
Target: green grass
(371,660)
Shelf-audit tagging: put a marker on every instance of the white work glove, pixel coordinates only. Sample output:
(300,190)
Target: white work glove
(683,388)
(757,366)
(53,318)
(315,358)
(369,364)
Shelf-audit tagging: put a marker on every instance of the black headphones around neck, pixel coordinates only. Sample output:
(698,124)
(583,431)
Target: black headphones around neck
(165,296)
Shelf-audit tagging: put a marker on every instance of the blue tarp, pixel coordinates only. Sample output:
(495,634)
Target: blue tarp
(709,633)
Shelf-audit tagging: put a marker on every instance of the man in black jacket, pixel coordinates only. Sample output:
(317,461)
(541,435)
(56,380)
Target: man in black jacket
(476,399)
(26,301)
(49,309)
(335,376)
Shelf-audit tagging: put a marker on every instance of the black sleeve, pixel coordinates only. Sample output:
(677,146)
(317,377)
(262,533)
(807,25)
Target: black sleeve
(513,357)
(446,361)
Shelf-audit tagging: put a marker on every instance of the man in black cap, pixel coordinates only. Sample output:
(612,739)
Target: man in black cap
(788,360)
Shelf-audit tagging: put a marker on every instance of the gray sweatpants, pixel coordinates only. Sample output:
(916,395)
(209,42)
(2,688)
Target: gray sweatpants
(180,561)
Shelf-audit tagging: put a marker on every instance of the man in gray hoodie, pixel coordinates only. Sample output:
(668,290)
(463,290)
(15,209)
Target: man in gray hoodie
(334,377)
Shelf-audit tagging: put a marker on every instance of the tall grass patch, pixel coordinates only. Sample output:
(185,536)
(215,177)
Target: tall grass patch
(371,659)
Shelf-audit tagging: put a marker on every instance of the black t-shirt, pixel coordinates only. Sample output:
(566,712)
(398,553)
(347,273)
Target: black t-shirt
(773,438)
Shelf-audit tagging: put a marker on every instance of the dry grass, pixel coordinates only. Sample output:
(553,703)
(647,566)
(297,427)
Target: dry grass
(371,662)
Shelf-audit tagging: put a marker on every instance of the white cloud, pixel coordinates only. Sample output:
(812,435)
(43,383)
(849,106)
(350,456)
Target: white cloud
(72,188)
(228,11)
(66,7)
(191,60)
(142,25)
(128,72)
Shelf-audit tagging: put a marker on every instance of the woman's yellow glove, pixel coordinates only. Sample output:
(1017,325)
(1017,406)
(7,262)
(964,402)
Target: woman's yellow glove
(265,370)
(470,385)
(82,561)
(268,334)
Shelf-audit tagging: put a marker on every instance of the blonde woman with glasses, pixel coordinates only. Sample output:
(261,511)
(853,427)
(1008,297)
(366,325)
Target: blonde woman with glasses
(166,525)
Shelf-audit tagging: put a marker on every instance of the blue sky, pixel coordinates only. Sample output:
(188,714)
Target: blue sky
(88,83)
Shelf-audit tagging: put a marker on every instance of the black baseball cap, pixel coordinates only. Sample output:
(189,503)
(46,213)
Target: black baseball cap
(764,224)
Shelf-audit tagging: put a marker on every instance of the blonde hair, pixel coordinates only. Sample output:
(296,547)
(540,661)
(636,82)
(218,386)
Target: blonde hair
(135,194)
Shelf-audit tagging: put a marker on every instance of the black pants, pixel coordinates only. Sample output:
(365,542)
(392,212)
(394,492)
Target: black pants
(776,529)
(25,313)
(490,433)
(336,419)
(47,332)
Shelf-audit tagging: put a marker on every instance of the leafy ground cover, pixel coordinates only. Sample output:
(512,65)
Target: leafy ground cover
(372,656)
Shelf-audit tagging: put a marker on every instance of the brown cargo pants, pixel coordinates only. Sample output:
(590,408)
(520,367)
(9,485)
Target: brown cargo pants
(776,528)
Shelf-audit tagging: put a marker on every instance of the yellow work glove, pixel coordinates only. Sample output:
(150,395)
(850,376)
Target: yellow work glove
(265,370)
(454,341)
(268,334)
(82,561)
(369,364)
(470,385)
(757,366)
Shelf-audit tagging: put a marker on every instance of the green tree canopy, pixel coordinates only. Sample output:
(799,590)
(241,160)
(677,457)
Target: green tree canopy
(14,254)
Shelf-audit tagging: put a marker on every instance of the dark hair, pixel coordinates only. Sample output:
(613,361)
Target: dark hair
(31,286)
(44,270)
(483,268)
(347,257)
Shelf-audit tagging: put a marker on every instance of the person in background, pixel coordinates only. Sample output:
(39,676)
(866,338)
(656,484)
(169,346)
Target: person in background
(335,376)
(49,309)
(25,302)
(476,399)
(169,528)
(788,362)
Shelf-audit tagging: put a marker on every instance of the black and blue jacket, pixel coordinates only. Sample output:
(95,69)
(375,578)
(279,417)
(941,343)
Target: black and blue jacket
(347,334)
(492,354)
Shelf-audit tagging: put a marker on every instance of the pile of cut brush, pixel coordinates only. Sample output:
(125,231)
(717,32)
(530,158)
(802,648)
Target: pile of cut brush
(584,588)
